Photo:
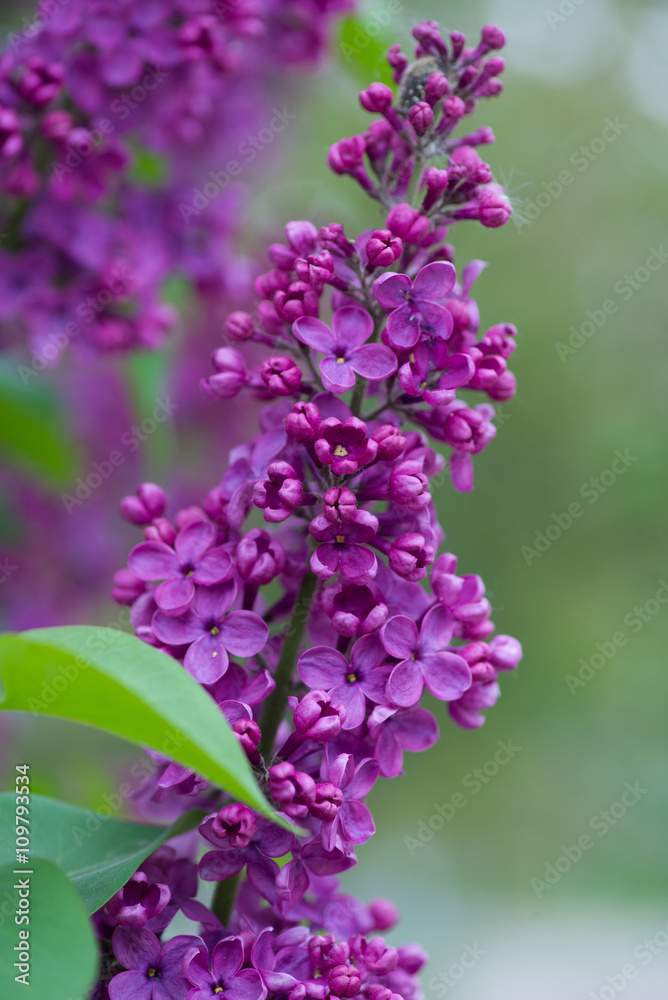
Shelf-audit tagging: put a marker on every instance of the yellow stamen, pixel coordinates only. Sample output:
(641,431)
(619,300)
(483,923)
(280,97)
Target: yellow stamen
(340,451)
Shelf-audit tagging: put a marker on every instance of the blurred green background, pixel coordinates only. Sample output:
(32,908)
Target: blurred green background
(571,67)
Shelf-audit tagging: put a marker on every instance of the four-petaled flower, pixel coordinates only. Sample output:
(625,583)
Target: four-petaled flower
(154,972)
(221,977)
(346,352)
(212,632)
(417,306)
(341,549)
(424,659)
(348,683)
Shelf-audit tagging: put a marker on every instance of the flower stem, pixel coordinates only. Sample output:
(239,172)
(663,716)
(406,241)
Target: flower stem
(276,703)
(223,900)
(358,396)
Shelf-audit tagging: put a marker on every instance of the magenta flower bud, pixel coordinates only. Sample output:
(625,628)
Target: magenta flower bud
(248,736)
(127,587)
(344,981)
(377,956)
(408,223)
(499,339)
(354,609)
(11,140)
(340,503)
(279,495)
(506,652)
(317,718)
(384,914)
(428,35)
(437,87)
(397,60)
(494,209)
(303,423)
(377,992)
(476,655)
(334,238)
(239,326)
(40,82)
(377,98)
(293,790)
(467,430)
(494,66)
(260,557)
(382,248)
(327,802)
(408,486)
(504,388)
(281,375)
(236,824)
(492,88)
(344,446)
(412,958)
(149,503)
(230,377)
(160,530)
(421,117)
(56,124)
(326,952)
(391,442)
(315,271)
(409,556)
(493,37)
(138,901)
(309,991)
(466,156)
(281,256)
(266,285)
(302,237)
(453,109)
(298,300)
(346,154)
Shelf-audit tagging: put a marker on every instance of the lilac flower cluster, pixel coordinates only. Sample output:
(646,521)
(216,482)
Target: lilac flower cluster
(89,93)
(341,608)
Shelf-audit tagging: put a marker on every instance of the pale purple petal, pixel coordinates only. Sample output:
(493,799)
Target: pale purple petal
(214,566)
(434,281)
(390,289)
(153,561)
(322,667)
(337,376)
(364,779)
(373,361)
(172,988)
(389,753)
(447,675)
(415,728)
(352,699)
(436,631)
(358,563)
(177,630)
(314,333)
(400,636)
(136,947)
(131,986)
(207,659)
(403,328)
(458,370)
(367,654)
(193,541)
(174,596)
(325,560)
(218,865)
(470,274)
(437,319)
(340,772)
(405,684)
(461,470)
(352,326)
(243,633)
(374,684)
(247,985)
(261,873)
(171,956)
(227,958)
(356,822)
(211,603)
(273,840)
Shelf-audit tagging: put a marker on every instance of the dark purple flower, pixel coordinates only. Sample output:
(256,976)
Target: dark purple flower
(281,376)
(355,610)
(417,305)
(344,446)
(212,632)
(191,561)
(348,683)
(222,974)
(268,841)
(138,901)
(346,352)
(154,971)
(280,494)
(424,659)
(341,549)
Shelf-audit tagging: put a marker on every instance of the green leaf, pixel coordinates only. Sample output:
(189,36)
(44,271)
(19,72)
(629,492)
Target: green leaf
(97,853)
(116,682)
(63,954)
(363,48)
(33,434)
